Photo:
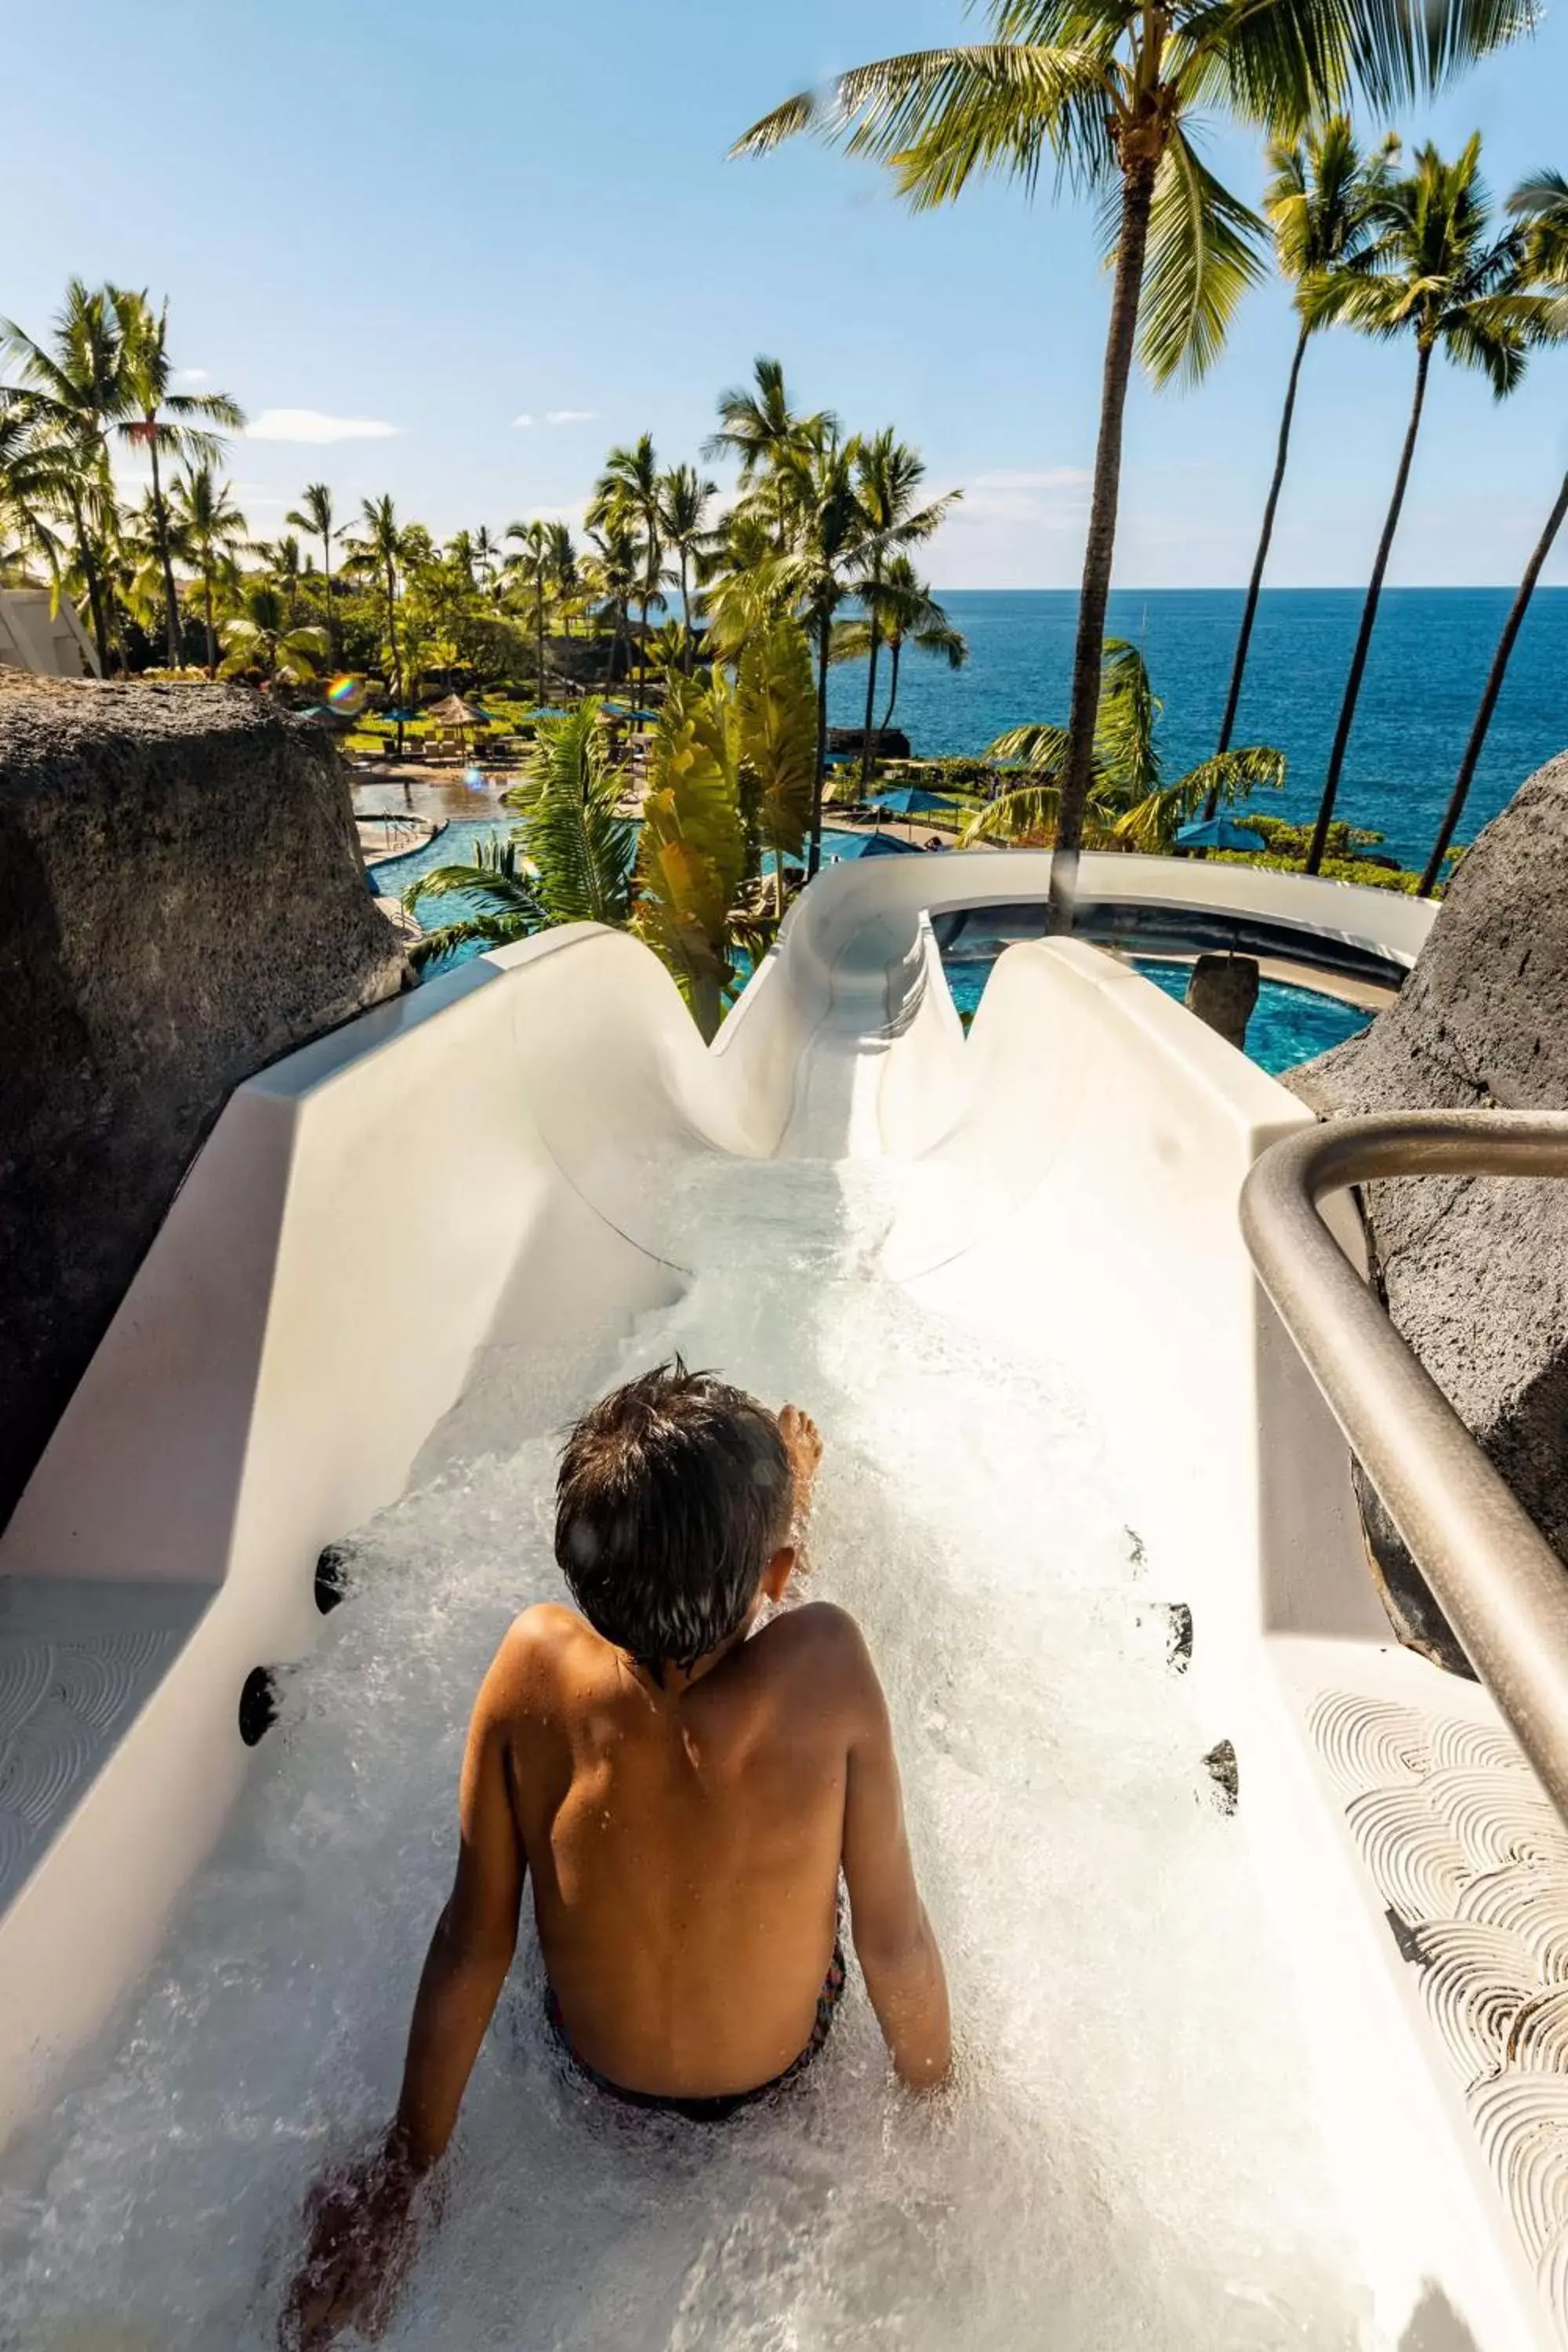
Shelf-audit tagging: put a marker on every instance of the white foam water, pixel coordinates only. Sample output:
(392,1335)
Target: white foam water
(1127,2153)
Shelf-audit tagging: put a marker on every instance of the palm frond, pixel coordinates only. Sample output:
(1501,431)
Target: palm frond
(491,931)
(1027,813)
(1205,249)
(1035,745)
(776,733)
(936,116)
(583,850)
(692,853)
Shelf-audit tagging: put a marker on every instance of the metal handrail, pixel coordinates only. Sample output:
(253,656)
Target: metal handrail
(1503,1588)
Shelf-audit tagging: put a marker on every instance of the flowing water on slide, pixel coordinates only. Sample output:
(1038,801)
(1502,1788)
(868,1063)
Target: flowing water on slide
(1129,2153)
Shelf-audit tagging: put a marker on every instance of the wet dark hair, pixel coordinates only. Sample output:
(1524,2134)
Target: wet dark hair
(674,1493)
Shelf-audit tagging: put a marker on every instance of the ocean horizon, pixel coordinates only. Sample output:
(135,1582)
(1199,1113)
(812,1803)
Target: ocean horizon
(1426,671)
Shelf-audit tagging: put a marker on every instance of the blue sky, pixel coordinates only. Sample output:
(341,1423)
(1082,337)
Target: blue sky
(442,220)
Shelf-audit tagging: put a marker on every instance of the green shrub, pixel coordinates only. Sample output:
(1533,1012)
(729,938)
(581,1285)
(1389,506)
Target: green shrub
(1334,869)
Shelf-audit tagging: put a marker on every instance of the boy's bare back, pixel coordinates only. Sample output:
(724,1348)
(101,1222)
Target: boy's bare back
(684,1784)
(684,1845)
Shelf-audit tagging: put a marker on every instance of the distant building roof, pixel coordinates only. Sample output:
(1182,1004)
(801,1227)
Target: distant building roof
(37,635)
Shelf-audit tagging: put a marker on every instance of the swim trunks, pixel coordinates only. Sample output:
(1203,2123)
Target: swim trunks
(713,2110)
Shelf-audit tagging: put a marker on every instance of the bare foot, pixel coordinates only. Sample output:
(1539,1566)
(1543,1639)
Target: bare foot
(803,1444)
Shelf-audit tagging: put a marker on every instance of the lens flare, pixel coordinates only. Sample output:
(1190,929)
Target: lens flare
(346,697)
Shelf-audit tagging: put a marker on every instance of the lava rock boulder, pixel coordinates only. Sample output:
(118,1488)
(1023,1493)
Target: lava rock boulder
(1475,1269)
(182,901)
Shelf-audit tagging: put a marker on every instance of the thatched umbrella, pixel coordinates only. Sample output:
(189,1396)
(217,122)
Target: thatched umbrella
(453,712)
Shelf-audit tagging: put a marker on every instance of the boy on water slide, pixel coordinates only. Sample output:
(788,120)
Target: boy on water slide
(684,1788)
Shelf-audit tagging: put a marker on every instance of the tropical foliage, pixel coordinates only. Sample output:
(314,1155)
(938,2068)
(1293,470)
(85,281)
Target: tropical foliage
(1437,272)
(1130,804)
(1116,97)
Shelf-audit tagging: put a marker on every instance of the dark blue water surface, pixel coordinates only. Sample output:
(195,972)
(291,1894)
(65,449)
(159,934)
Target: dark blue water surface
(1424,679)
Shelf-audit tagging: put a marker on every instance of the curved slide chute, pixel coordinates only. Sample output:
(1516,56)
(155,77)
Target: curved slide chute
(504,1164)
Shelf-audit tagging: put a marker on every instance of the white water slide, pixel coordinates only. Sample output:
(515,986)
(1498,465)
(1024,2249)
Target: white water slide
(1256,1924)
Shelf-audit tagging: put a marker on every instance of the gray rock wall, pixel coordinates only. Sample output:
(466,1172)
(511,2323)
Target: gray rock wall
(1475,1270)
(180,901)
(1222,991)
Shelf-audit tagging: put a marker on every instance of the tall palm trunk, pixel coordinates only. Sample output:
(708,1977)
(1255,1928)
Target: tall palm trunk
(1495,676)
(207,617)
(896,647)
(1368,620)
(539,639)
(88,563)
(872,651)
(1077,769)
(392,647)
(327,592)
(684,616)
(823,640)
(161,524)
(1249,613)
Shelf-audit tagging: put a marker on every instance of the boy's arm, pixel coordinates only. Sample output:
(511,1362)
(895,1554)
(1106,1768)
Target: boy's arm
(358,2221)
(473,1945)
(893,1939)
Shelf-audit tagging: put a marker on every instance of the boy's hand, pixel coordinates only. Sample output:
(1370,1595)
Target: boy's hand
(360,2239)
(803,1444)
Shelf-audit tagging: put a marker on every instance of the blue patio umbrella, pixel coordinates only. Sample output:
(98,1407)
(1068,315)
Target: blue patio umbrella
(1218,833)
(398,718)
(886,845)
(547,711)
(912,800)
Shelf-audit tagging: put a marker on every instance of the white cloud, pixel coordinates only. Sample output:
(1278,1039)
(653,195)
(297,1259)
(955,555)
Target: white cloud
(191,375)
(311,424)
(570,415)
(523,419)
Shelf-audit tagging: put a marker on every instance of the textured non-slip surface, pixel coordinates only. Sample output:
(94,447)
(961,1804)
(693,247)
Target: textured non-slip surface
(1472,1863)
(77,1663)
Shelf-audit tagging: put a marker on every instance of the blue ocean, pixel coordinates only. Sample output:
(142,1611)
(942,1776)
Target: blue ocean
(1424,680)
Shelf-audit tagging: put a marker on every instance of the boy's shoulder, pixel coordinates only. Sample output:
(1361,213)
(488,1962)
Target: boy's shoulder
(818,1639)
(537,1645)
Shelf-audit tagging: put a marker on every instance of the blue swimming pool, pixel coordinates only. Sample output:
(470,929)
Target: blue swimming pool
(393,878)
(1289,1025)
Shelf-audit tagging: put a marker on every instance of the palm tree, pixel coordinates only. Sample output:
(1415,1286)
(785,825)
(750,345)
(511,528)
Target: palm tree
(175,425)
(1131,806)
(683,518)
(315,514)
(71,396)
(206,527)
(776,723)
(1115,94)
(563,574)
(500,883)
(887,478)
(382,553)
(907,614)
(692,850)
(1320,204)
(630,491)
(486,556)
(615,569)
(1430,271)
(260,642)
(829,531)
(760,429)
(573,861)
(534,563)
(287,566)
(1541,203)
